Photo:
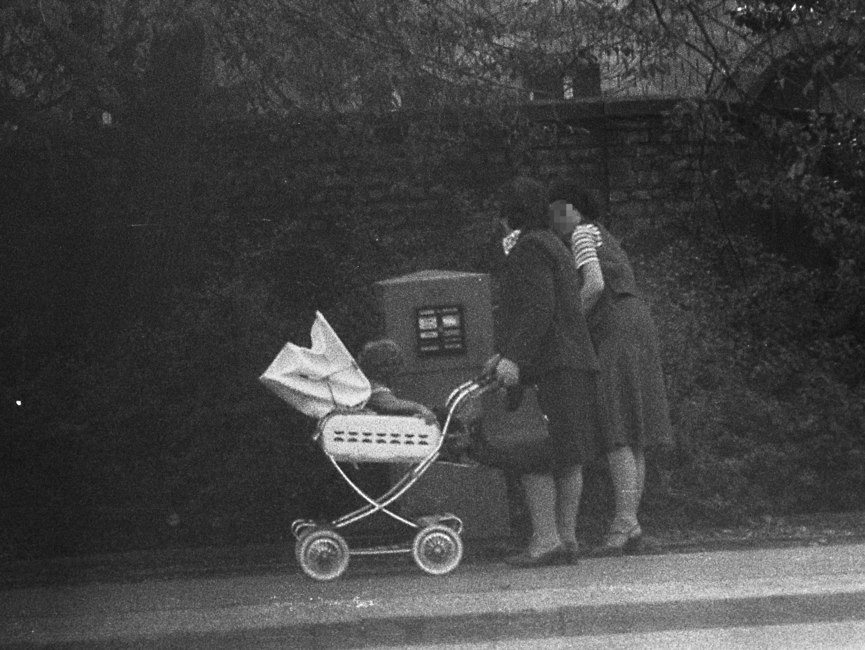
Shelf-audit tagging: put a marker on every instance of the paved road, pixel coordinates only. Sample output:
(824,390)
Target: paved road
(827,636)
(810,597)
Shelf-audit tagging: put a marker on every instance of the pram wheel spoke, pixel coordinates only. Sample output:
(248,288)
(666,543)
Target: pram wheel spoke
(322,554)
(437,549)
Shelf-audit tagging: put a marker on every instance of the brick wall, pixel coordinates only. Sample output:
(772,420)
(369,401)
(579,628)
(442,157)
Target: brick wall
(627,152)
(631,154)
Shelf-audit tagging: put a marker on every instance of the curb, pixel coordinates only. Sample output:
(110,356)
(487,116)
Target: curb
(570,622)
(477,604)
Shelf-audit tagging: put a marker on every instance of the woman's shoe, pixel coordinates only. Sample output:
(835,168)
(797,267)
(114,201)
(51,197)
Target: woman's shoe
(572,552)
(553,557)
(619,542)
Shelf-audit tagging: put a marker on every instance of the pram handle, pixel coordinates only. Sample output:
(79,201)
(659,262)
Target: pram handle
(474,387)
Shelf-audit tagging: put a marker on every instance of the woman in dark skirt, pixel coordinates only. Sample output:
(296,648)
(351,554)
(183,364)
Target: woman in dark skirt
(634,408)
(544,341)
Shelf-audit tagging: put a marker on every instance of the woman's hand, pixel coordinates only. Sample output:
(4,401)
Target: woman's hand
(507,373)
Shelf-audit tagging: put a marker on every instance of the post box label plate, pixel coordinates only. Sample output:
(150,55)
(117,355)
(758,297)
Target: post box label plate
(440,330)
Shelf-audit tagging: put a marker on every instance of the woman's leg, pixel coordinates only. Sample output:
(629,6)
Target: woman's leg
(628,475)
(640,462)
(569,488)
(540,492)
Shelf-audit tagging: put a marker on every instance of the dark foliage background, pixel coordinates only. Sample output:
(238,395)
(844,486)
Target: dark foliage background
(156,254)
(134,345)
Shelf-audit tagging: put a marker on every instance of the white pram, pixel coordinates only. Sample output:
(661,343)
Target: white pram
(325,382)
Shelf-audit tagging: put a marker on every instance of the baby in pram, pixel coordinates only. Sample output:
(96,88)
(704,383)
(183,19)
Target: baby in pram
(361,420)
(381,361)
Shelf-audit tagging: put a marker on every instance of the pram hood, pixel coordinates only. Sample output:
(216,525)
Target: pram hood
(318,379)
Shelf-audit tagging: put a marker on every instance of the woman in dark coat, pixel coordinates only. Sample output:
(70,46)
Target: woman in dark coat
(544,341)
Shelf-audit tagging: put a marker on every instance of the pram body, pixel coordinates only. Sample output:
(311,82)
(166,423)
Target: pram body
(325,382)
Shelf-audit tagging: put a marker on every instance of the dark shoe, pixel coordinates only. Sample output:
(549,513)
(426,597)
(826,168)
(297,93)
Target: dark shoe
(619,543)
(572,553)
(634,545)
(553,557)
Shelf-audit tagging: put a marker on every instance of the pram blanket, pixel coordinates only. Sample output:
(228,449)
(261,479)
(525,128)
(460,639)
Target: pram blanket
(318,379)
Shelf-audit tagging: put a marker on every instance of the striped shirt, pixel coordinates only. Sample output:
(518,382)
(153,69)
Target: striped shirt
(585,240)
(510,241)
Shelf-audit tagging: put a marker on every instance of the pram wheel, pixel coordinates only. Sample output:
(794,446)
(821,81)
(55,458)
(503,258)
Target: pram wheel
(437,549)
(323,554)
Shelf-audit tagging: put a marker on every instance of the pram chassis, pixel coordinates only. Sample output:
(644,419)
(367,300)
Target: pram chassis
(437,547)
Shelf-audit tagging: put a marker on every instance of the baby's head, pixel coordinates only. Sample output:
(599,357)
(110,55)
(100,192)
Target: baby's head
(381,360)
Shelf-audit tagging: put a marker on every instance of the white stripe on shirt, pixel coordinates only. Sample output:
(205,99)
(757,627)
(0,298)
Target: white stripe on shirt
(585,240)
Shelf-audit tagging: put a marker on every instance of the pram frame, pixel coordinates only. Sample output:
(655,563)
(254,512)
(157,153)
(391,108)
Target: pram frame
(301,528)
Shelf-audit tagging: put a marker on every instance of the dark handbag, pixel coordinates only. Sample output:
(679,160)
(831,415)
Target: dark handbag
(514,395)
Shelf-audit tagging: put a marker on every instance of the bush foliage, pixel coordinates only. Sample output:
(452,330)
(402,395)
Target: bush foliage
(131,407)
(760,304)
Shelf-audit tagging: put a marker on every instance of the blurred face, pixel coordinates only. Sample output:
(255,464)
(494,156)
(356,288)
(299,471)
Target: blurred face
(565,218)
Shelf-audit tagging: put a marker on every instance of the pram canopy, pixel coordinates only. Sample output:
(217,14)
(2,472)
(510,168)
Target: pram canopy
(319,379)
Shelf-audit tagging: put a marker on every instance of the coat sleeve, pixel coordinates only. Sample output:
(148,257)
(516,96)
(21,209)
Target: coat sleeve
(528,303)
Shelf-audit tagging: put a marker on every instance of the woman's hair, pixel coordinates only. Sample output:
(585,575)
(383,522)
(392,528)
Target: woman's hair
(525,204)
(565,189)
(381,360)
